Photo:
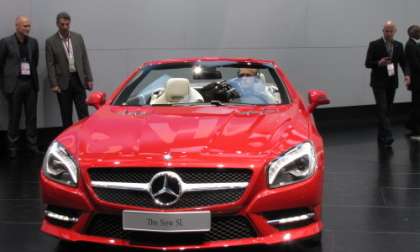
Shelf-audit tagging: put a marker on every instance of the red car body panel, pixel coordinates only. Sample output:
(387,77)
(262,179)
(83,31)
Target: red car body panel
(226,137)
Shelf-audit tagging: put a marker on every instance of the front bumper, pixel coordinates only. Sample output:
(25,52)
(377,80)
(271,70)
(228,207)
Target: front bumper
(256,205)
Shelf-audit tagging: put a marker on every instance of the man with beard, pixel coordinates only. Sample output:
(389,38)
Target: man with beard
(68,69)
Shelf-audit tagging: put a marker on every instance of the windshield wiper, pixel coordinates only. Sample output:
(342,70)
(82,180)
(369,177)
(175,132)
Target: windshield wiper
(162,105)
(217,103)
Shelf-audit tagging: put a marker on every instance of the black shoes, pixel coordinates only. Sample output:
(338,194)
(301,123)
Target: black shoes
(13,153)
(385,143)
(415,137)
(33,149)
(409,126)
(414,132)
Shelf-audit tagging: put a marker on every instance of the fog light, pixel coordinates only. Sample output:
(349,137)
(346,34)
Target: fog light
(60,217)
(293,219)
(287,237)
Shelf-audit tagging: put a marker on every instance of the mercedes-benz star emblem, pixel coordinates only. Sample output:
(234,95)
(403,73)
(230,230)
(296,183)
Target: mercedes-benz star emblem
(166,188)
(167,157)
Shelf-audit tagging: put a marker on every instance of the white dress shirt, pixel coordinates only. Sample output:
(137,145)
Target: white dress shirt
(68,48)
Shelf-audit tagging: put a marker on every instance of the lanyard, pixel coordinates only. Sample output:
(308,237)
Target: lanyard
(67,45)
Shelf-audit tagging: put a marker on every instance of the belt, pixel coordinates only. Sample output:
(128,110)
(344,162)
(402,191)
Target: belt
(24,77)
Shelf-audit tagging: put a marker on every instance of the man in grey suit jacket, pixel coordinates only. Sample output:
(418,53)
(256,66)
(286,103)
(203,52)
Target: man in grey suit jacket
(68,68)
(19,83)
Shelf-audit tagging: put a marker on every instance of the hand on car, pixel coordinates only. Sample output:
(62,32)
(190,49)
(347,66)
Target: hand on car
(89,85)
(56,89)
(407,81)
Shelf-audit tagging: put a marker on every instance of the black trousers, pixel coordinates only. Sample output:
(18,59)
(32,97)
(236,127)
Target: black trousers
(384,98)
(24,96)
(74,93)
(414,120)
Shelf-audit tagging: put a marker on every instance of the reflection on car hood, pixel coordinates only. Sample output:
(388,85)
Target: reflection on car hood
(141,132)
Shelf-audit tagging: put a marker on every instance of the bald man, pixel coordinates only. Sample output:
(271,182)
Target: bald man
(19,83)
(383,57)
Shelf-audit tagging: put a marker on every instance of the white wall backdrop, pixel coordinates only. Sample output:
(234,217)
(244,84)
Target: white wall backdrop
(319,43)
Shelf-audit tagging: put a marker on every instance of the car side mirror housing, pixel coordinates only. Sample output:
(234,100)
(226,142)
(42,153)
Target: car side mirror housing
(317,98)
(96,99)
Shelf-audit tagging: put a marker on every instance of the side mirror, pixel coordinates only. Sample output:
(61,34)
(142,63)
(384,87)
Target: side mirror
(96,99)
(317,98)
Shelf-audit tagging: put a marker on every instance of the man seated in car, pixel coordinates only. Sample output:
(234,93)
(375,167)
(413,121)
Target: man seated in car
(251,88)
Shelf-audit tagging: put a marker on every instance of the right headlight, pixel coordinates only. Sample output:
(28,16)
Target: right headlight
(59,165)
(295,165)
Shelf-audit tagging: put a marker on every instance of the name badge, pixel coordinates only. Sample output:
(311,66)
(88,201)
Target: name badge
(391,70)
(72,66)
(25,69)
(71,59)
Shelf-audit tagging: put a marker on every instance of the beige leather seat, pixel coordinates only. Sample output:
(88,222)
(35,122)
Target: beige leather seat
(178,90)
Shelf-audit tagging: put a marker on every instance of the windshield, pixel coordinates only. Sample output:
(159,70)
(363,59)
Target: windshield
(223,83)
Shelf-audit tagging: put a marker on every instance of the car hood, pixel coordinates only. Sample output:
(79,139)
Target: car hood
(186,132)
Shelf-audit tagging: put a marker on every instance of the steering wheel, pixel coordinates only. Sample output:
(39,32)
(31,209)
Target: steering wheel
(220,91)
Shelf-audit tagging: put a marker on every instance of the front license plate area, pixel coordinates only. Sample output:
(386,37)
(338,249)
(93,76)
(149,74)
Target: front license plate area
(174,222)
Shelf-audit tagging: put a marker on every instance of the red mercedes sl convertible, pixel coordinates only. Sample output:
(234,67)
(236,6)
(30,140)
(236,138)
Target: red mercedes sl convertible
(190,154)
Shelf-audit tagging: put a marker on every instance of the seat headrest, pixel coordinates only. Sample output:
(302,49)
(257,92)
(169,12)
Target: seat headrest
(177,89)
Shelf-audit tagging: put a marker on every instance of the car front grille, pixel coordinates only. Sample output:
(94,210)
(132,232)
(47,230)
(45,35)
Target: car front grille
(188,200)
(222,228)
(189,175)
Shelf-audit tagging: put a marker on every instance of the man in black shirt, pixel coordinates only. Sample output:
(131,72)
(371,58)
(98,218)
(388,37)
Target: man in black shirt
(412,53)
(19,82)
(383,57)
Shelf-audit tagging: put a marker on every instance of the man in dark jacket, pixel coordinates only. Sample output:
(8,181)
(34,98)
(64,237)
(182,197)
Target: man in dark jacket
(412,53)
(383,57)
(19,83)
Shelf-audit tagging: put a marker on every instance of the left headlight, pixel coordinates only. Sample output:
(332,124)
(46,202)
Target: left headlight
(59,165)
(295,165)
